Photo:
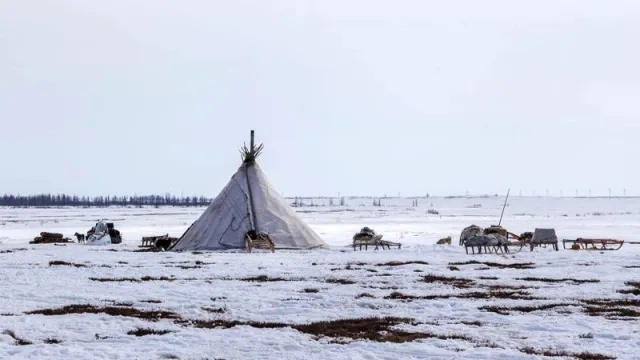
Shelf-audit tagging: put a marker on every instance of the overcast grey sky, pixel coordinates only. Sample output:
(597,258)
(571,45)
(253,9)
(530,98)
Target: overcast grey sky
(353,96)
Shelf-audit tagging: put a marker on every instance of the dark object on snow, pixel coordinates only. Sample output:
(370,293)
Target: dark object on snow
(49,238)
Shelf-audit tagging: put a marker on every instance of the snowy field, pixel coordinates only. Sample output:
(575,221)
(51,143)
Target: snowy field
(420,302)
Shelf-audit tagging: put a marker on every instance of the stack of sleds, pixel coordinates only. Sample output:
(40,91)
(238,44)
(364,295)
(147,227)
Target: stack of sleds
(367,237)
(49,238)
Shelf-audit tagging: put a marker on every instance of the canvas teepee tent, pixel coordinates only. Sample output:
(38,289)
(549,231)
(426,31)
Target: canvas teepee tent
(248,202)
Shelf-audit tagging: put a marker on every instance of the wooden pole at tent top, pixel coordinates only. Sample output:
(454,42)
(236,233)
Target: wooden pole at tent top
(251,205)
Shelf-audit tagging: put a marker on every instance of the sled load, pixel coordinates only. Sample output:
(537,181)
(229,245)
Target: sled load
(103,233)
(49,238)
(248,213)
(367,237)
(544,237)
(493,239)
(469,232)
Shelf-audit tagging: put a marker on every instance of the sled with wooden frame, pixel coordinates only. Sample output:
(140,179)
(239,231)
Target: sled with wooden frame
(595,244)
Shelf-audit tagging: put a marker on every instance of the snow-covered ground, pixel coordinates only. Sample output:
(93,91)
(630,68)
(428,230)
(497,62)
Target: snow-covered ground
(489,312)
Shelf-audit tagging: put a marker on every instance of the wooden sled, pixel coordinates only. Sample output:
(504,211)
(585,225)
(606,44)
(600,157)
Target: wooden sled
(376,242)
(367,237)
(49,238)
(261,241)
(162,241)
(544,237)
(488,249)
(595,244)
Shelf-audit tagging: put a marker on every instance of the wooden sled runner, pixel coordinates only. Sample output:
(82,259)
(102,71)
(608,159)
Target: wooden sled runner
(593,244)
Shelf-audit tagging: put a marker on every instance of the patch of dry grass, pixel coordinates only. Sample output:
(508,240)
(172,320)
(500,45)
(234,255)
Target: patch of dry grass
(635,288)
(456,282)
(145,332)
(340,281)
(400,263)
(498,287)
(488,278)
(52,341)
(214,310)
(265,278)
(364,295)
(340,331)
(528,265)
(508,310)
(565,354)
(150,315)
(513,295)
(568,280)
(144,278)
(9,251)
(65,263)
(612,312)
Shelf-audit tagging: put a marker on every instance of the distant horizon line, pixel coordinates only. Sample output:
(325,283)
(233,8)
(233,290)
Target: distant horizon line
(428,196)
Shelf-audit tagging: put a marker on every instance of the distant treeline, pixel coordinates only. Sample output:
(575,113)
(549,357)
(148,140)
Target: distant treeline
(51,200)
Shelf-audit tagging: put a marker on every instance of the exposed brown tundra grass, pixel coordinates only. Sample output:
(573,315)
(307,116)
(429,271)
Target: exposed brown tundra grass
(265,278)
(569,280)
(341,331)
(145,332)
(614,309)
(214,310)
(340,281)
(513,295)
(363,295)
(456,282)
(508,310)
(564,354)
(399,263)
(144,278)
(635,288)
(151,315)
(64,263)
(9,251)
(528,265)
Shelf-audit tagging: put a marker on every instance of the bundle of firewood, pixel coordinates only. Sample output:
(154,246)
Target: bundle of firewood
(49,238)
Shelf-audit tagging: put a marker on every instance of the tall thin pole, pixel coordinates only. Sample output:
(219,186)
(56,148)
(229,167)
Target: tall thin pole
(246,174)
(504,206)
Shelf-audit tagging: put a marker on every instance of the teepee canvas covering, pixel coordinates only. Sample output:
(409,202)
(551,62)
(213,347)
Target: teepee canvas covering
(248,202)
